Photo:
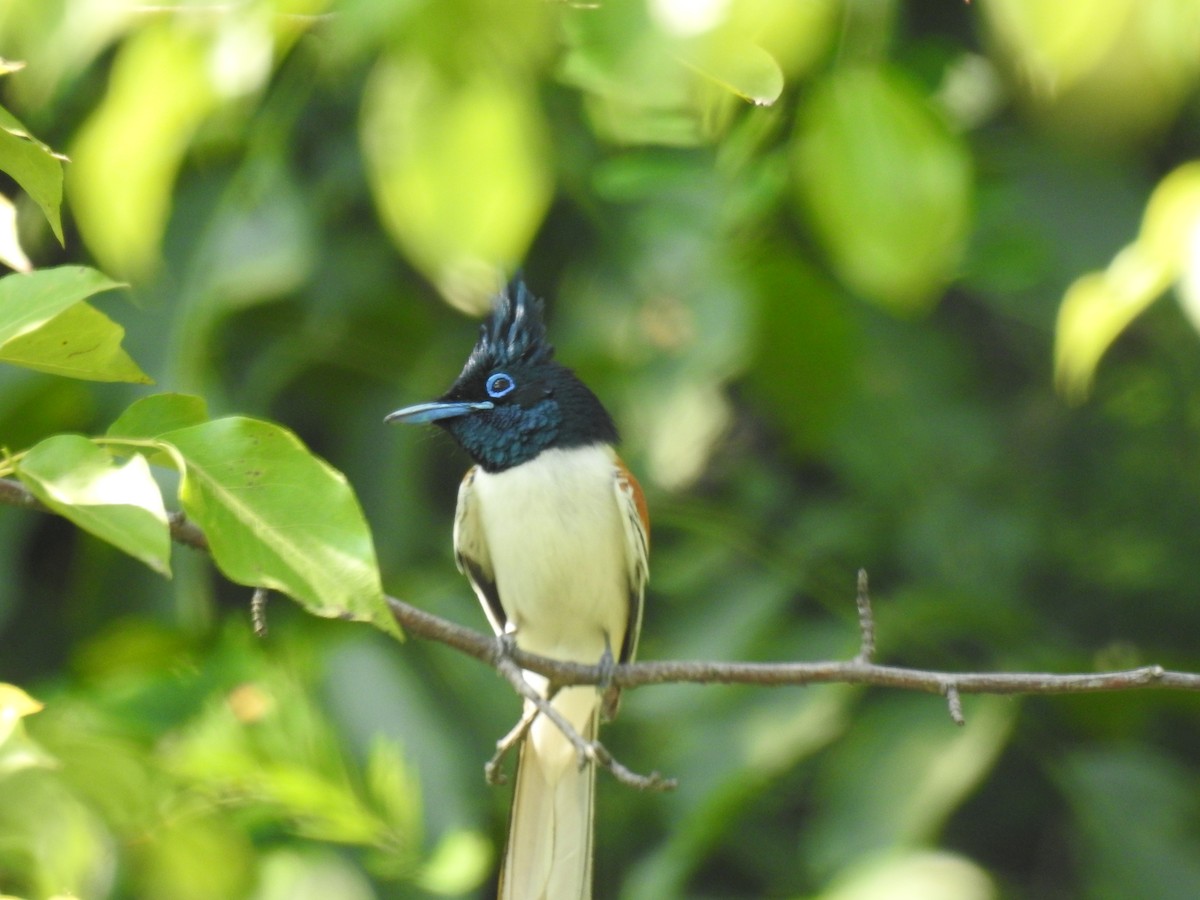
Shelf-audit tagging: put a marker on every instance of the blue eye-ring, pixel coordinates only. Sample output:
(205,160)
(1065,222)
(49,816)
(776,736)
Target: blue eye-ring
(500,385)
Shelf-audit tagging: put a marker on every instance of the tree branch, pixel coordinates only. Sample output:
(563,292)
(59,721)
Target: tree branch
(779,674)
(509,662)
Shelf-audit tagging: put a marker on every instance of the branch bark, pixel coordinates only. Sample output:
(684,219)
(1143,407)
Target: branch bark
(859,670)
(779,674)
(509,660)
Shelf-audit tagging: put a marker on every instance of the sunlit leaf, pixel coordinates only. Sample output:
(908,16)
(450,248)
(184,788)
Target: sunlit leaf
(885,185)
(1055,44)
(302,872)
(461,172)
(636,86)
(741,67)
(28,302)
(15,704)
(278,517)
(1095,310)
(796,35)
(117,502)
(80,342)
(157,414)
(1172,214)
(1085,66)
(1099,306)
(11,252)
(458,864)
(127,154)
(34,166)
(44,325)
(925,874)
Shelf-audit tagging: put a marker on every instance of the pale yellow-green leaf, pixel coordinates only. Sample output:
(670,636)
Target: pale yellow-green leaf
(1095,310)
(127,154)
(1098,306)
(80,342)
(461,172)
(885,186)
(1086,67)
(1055,44)
(1171,216)
(17,750)
(457,865)
(11,252)
(739,66)
(15,704)
(28,302)
(1189,278)
(117,502)
(34,166)
(797,35)
(923,874)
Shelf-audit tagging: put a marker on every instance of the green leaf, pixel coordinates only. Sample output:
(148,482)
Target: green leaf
(34,166)
(157,414)
(14,705)
(738,66)
(117,502)
(1096,308)
(80,342)
(885,185)
(17,750)
(30,301)
(44,325)
(456,209)
(160,89)
(458,864)
(1134,809)
(1099,306)
(278,517)
(922,771)
(393,790)
(11,252)
(928,874)
(1056,44)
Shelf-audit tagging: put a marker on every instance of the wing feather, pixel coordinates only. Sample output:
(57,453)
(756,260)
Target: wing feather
(635,520)
(471,553)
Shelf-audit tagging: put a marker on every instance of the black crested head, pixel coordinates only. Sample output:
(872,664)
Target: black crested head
(512,401)
(514,332)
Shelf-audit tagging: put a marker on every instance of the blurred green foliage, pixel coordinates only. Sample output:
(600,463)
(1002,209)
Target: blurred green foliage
(825,262)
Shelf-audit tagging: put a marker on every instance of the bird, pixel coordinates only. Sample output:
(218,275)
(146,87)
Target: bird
(551,530)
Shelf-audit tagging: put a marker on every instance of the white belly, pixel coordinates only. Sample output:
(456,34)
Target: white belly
(554,534)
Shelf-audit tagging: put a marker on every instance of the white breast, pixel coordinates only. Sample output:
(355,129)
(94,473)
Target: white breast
(554,534)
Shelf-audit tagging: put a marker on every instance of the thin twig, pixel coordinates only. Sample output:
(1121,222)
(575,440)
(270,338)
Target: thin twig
(631,675)
(866,621)
(859,670)
(258,612)
(652,782)
(954,702)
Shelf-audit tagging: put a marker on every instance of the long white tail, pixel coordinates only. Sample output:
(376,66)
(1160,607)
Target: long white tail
(549,855)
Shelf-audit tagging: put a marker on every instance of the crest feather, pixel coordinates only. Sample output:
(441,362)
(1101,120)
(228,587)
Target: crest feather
(513,332)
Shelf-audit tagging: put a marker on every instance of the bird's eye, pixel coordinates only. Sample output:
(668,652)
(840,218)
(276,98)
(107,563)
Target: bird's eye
(499,384)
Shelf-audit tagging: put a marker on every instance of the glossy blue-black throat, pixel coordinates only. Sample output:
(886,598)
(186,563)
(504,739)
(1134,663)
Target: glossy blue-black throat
(537,404)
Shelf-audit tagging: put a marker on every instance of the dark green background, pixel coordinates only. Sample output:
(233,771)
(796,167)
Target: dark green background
(826,328)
